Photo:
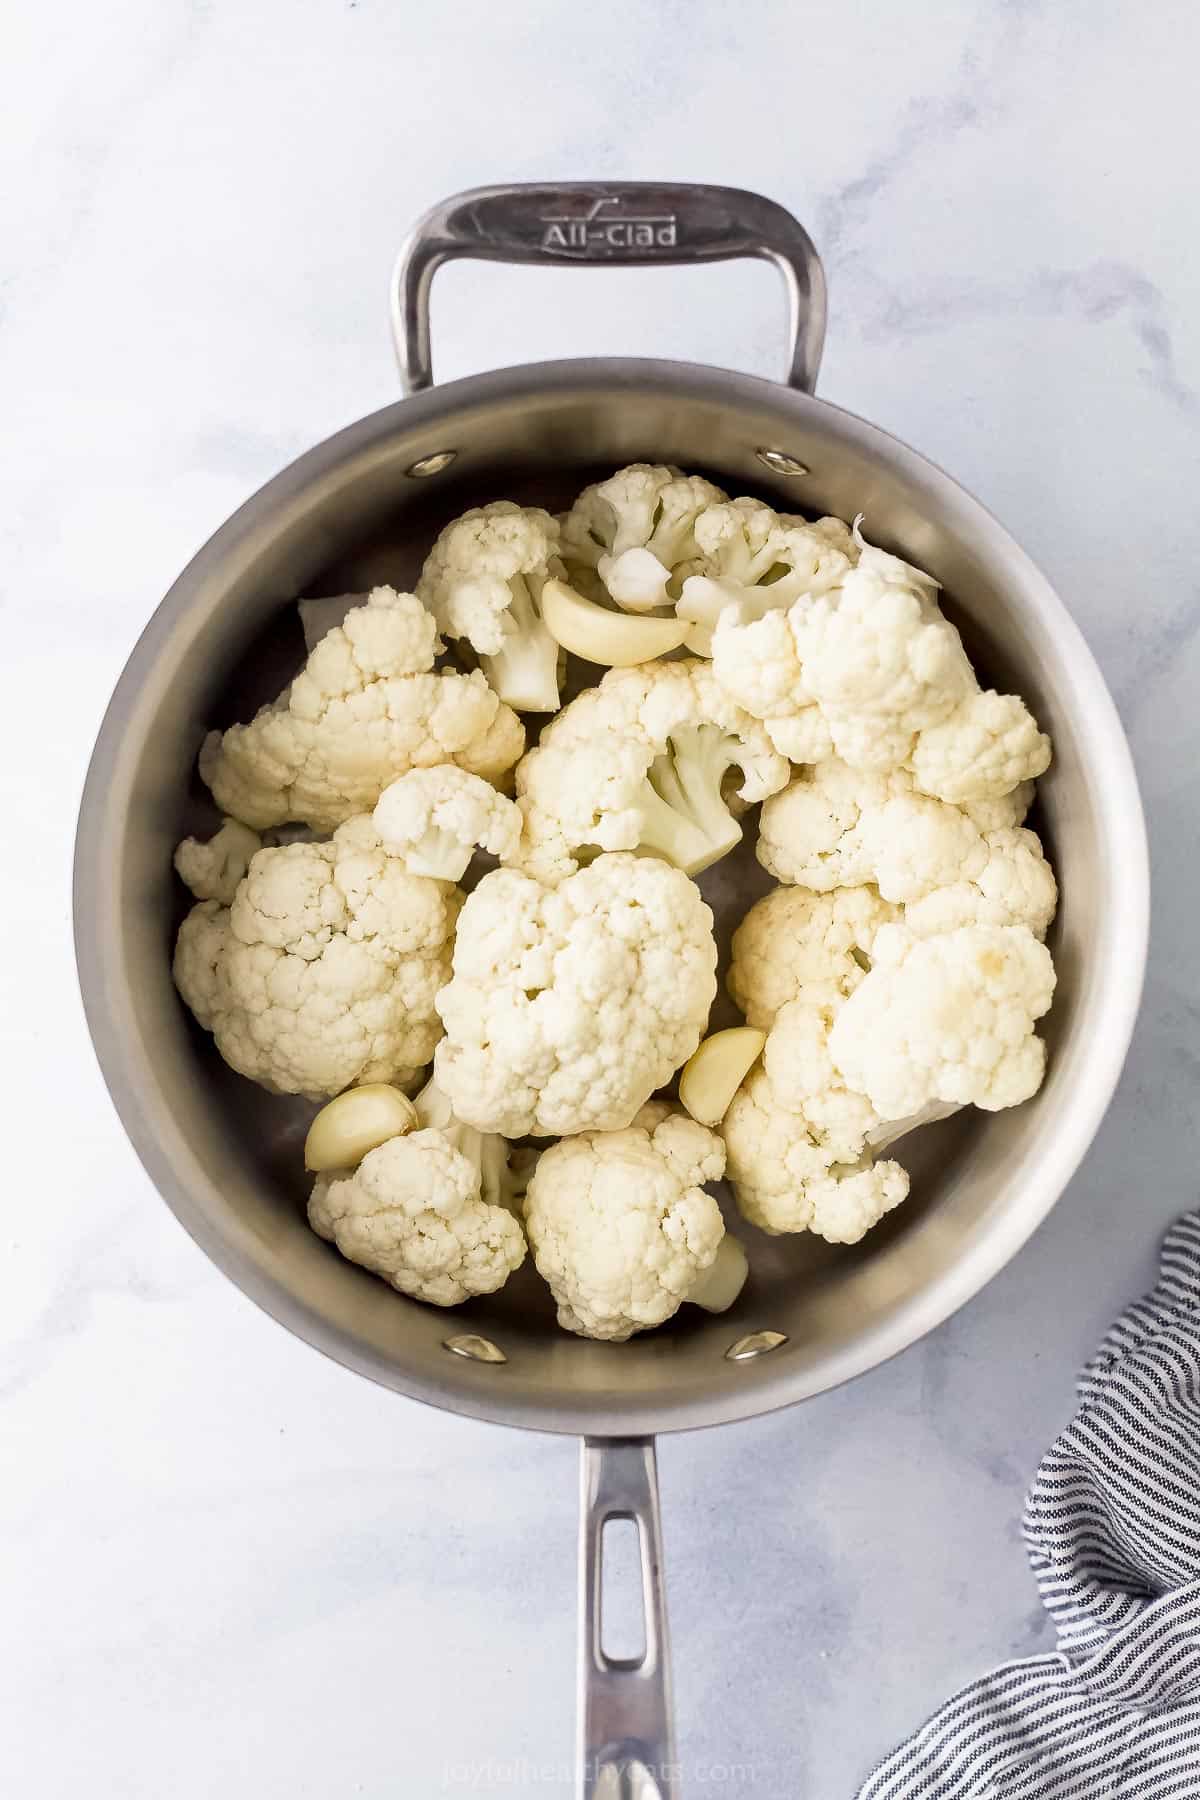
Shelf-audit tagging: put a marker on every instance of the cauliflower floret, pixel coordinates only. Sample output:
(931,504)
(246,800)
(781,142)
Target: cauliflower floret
(434,819)
(845,1206)
(569,1006)
(758,667)
(803,737)
(1004,812)
(640,762)
(809,833)
(835,827)
(871,658)
(804,1146)
(365,708)
(803,1078)
(1015,886)
(483,581)
(412,1212)
(756,561)
(913,844)
(786,1178)
(870,669)
(792,937)
(613,807)
(987,746)
(637,531)
(620,1225)
(324,971)
(947,1018)
(493,756)
(880,660)
(214,869)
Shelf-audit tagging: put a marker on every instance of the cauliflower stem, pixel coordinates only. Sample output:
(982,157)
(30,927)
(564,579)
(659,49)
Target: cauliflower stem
(881,1137)
(684,818)
(524,671)
(487,1153)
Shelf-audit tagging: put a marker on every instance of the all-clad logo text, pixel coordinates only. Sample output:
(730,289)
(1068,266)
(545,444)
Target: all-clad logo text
(600,229)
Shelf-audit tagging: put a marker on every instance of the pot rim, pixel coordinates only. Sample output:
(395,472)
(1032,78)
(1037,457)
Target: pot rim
(120,1052)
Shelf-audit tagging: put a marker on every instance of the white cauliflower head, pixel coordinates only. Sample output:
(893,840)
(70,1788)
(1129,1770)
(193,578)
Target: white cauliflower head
(620,1225)
(637,531)
(787,1178)
(435,818)
(1015,886)
(835,826)
(880,660)
(569,1006)
(324,971)
(756,561)
(483,581)
(366,707)
(793,937)
(412,1212)
(641,761)
(213,869)
(947,1018)
(981,751)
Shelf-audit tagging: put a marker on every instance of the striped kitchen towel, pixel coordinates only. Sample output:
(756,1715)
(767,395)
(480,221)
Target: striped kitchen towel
(1112,1526)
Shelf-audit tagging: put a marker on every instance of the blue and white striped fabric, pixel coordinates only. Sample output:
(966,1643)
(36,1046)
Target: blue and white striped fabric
(1112,1526)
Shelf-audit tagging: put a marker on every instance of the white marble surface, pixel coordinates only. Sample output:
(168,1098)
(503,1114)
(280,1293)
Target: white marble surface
(226,1565)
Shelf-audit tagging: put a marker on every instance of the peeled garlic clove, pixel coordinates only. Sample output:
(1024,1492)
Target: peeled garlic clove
(724,1279)
(616,640)
(357,1121)
(713,1075)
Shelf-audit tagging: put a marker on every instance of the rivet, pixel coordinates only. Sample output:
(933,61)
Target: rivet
(781,463)
(478,1349)
(755,1343)
(433,464)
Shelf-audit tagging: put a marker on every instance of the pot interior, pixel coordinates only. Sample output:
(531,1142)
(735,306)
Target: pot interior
(228,1156)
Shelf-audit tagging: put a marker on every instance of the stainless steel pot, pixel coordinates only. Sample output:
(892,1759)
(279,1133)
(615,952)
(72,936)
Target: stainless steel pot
(362,506)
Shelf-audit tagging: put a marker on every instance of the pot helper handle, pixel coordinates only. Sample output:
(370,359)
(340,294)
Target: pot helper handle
(626,1735)
(618,223)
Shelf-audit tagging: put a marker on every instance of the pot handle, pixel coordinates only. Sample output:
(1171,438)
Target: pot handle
(619,223)
(626,1734)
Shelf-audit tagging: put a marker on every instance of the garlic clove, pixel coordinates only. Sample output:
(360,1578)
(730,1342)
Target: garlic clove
(357,1121)
(713,1075)
(724,1279)
(614,639)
